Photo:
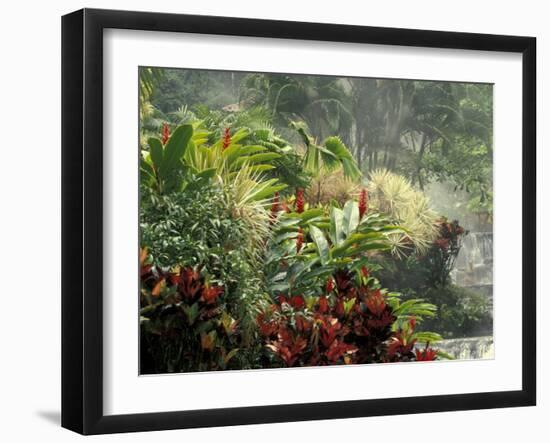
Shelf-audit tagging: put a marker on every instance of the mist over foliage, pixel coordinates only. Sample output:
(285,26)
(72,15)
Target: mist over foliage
(427,131)
(294,220)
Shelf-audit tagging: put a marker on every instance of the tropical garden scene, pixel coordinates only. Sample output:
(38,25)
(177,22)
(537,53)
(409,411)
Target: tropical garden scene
(292,220)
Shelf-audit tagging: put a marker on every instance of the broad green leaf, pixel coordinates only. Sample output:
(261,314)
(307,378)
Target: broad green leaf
(155,146)
(343,156)
(286,221)
(285,236)
(307,215)
(356,239)
(260,168)
(146,166)
(234,152)
(175,147)
(374,246)
(269,191)
(311,214)
(321,272)
(444,355)
(336,226)
(279,287)
(280,276)
(239,135)
(263,157)
(256,158)
(351,217)
(207,173)
(324,225)
(320,242)
(264,190)
(427,337)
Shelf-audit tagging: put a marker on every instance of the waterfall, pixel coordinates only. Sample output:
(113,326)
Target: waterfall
(474,263)
(469,348)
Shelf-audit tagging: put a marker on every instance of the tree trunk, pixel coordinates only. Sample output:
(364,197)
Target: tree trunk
(423,145)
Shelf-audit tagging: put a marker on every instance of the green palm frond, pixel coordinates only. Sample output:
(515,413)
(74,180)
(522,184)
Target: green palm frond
(330,156)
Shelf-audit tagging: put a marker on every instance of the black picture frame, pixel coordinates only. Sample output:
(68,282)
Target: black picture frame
(82,220)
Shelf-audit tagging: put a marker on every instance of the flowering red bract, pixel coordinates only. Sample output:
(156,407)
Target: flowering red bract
(226,140)
(363,202)
(300,202)
(165,133)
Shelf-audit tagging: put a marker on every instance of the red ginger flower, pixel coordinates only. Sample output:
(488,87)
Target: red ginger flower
(226,140)
(299,240)
(363,203)
(165,133)
(300,200)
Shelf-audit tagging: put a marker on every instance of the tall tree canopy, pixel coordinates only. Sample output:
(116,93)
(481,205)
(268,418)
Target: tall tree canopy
(428,131)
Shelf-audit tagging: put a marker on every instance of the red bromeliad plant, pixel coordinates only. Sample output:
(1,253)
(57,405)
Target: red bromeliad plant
(352,323)
(226,139)
(184,324)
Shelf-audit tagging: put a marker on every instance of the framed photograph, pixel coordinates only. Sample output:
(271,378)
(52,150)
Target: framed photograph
(270,221)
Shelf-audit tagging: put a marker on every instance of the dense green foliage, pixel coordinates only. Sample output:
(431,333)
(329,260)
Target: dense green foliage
(427,131)
(275,211)
(461,312)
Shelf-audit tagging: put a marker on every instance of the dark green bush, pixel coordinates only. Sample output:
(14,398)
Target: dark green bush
(195,229)
(462,312)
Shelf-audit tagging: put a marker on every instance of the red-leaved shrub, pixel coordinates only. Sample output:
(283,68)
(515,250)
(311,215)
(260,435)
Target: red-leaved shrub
(184,323)
(351,323)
